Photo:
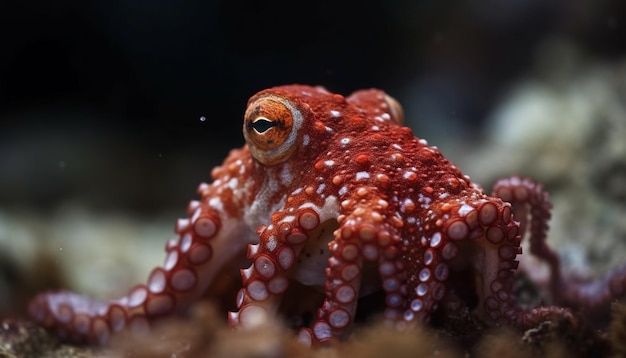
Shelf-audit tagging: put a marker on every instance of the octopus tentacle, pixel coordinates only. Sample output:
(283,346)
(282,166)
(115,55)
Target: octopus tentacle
(360,237)
(190,266)
(184,275)
(342,290)
(530,205)
(476,236)
(393,274)
(594,295)
(530,201)
(272,259)
(424,290)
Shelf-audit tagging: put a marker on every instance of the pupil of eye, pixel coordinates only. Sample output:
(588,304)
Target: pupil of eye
(263,125)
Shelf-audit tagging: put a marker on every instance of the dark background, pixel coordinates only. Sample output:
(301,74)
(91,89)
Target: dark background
(100,100)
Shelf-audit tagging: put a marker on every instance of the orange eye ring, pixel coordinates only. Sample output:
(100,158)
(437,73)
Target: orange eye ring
(270,128)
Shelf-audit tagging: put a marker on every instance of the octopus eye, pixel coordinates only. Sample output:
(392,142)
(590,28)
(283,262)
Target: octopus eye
(262,125)
(270,128)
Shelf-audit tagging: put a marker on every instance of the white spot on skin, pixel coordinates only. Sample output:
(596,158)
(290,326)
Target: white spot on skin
(216,203)
(343,190)
(329,130)
(344,141)
(375,128)
(233,183)
(465,209)
(424,200)
(306,139)
(288,219)
(408,174)
(423,142)
(362,175)
(320,189)
(385,116)
(335,114)
(309,204)
(330,208)
(271,243)
(297,191)
(329,163)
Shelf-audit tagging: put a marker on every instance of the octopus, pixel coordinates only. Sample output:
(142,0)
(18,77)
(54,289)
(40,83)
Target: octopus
(334,193)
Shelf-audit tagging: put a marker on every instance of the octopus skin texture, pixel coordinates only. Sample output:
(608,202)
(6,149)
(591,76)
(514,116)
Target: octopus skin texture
(334,193)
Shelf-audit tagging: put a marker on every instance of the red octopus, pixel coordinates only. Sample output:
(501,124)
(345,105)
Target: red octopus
(327,191)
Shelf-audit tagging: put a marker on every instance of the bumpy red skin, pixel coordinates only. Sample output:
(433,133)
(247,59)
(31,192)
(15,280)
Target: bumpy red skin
(356,187)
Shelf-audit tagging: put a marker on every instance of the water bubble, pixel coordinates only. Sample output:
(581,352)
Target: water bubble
(202,118)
